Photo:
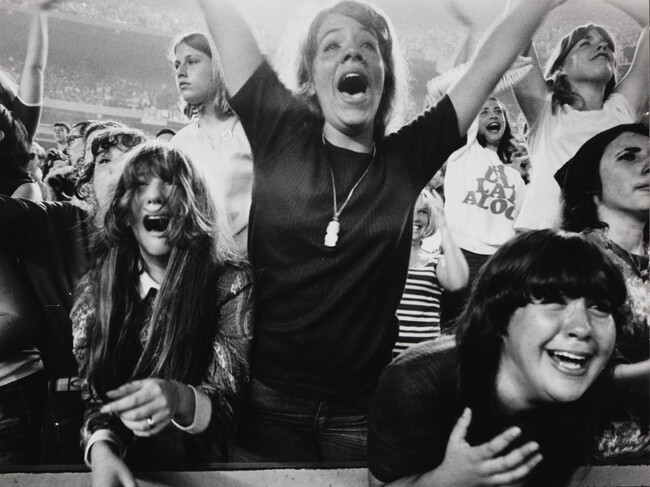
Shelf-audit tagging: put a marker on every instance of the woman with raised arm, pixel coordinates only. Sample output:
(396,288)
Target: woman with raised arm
(330,224)
(25,102)
(214,139)
(517,398)
(483,195)
(161,366)
(429,273)
(576,98)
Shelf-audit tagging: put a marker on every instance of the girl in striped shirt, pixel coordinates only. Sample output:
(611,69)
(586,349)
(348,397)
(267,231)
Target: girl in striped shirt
(429,273)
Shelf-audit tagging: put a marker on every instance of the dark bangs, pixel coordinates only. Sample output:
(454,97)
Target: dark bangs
(549,266)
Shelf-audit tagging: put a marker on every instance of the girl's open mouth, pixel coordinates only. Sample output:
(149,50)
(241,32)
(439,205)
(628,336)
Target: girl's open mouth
(353,83)
(155,223)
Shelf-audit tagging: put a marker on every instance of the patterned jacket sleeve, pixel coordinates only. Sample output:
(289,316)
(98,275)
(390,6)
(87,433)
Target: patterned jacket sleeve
(229,369)
(83,316)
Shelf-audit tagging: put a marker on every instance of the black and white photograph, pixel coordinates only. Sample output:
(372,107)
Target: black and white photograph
(323,243)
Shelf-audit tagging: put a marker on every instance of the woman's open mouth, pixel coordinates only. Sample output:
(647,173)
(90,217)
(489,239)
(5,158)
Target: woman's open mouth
(569,362)
(353,84)
(493,127)
(155,223)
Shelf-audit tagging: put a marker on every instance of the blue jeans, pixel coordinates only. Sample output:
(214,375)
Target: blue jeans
(278,427)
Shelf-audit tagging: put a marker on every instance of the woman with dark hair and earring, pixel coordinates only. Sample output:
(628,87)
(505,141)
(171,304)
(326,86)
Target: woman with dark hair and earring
(576,98)
(162,370)
(330,224)
(214,139)
(606,195)
(517,399)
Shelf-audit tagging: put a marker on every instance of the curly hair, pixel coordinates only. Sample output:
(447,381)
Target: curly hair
(105,132)
(202,43)
(558,81)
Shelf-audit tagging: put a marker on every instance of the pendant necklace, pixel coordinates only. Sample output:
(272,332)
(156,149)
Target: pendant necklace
(333,227)
(636,261)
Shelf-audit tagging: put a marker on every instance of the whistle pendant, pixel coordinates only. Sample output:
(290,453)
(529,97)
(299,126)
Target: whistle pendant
(332,234)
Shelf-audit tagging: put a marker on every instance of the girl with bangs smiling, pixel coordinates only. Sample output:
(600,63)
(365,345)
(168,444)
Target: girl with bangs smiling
(518,397)
(162,370)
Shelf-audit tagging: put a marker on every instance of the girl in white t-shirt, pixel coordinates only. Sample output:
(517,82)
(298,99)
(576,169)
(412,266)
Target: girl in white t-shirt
(214,139)
(576,98)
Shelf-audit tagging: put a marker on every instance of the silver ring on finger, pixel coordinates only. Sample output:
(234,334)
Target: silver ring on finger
(151,422)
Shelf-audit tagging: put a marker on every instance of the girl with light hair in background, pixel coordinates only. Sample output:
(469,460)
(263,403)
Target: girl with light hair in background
(214,139)
(577,97)
(429,273)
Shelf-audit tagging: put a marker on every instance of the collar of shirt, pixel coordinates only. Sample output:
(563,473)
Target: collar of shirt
(146,284)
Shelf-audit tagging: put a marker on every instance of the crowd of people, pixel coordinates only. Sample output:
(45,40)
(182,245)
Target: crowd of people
(79,84)
(303,274)
(426,39)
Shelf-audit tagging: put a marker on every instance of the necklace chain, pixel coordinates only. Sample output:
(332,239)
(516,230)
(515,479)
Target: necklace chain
(333,227)
(633,260)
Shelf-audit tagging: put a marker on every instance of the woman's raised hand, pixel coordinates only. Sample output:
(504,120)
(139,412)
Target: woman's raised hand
(147,406)
(466,465)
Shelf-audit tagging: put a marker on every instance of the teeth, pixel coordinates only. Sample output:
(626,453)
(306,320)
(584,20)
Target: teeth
(569,360)
(570,355)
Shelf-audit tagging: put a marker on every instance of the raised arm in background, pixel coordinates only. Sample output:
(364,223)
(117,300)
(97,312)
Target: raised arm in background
(239,50)
(496,52)
(532,92)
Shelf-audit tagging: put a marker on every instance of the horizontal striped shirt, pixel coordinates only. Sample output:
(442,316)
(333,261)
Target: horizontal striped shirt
(419,309)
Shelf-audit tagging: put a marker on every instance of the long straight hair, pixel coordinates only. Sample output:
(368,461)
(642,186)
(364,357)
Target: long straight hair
(176,345)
